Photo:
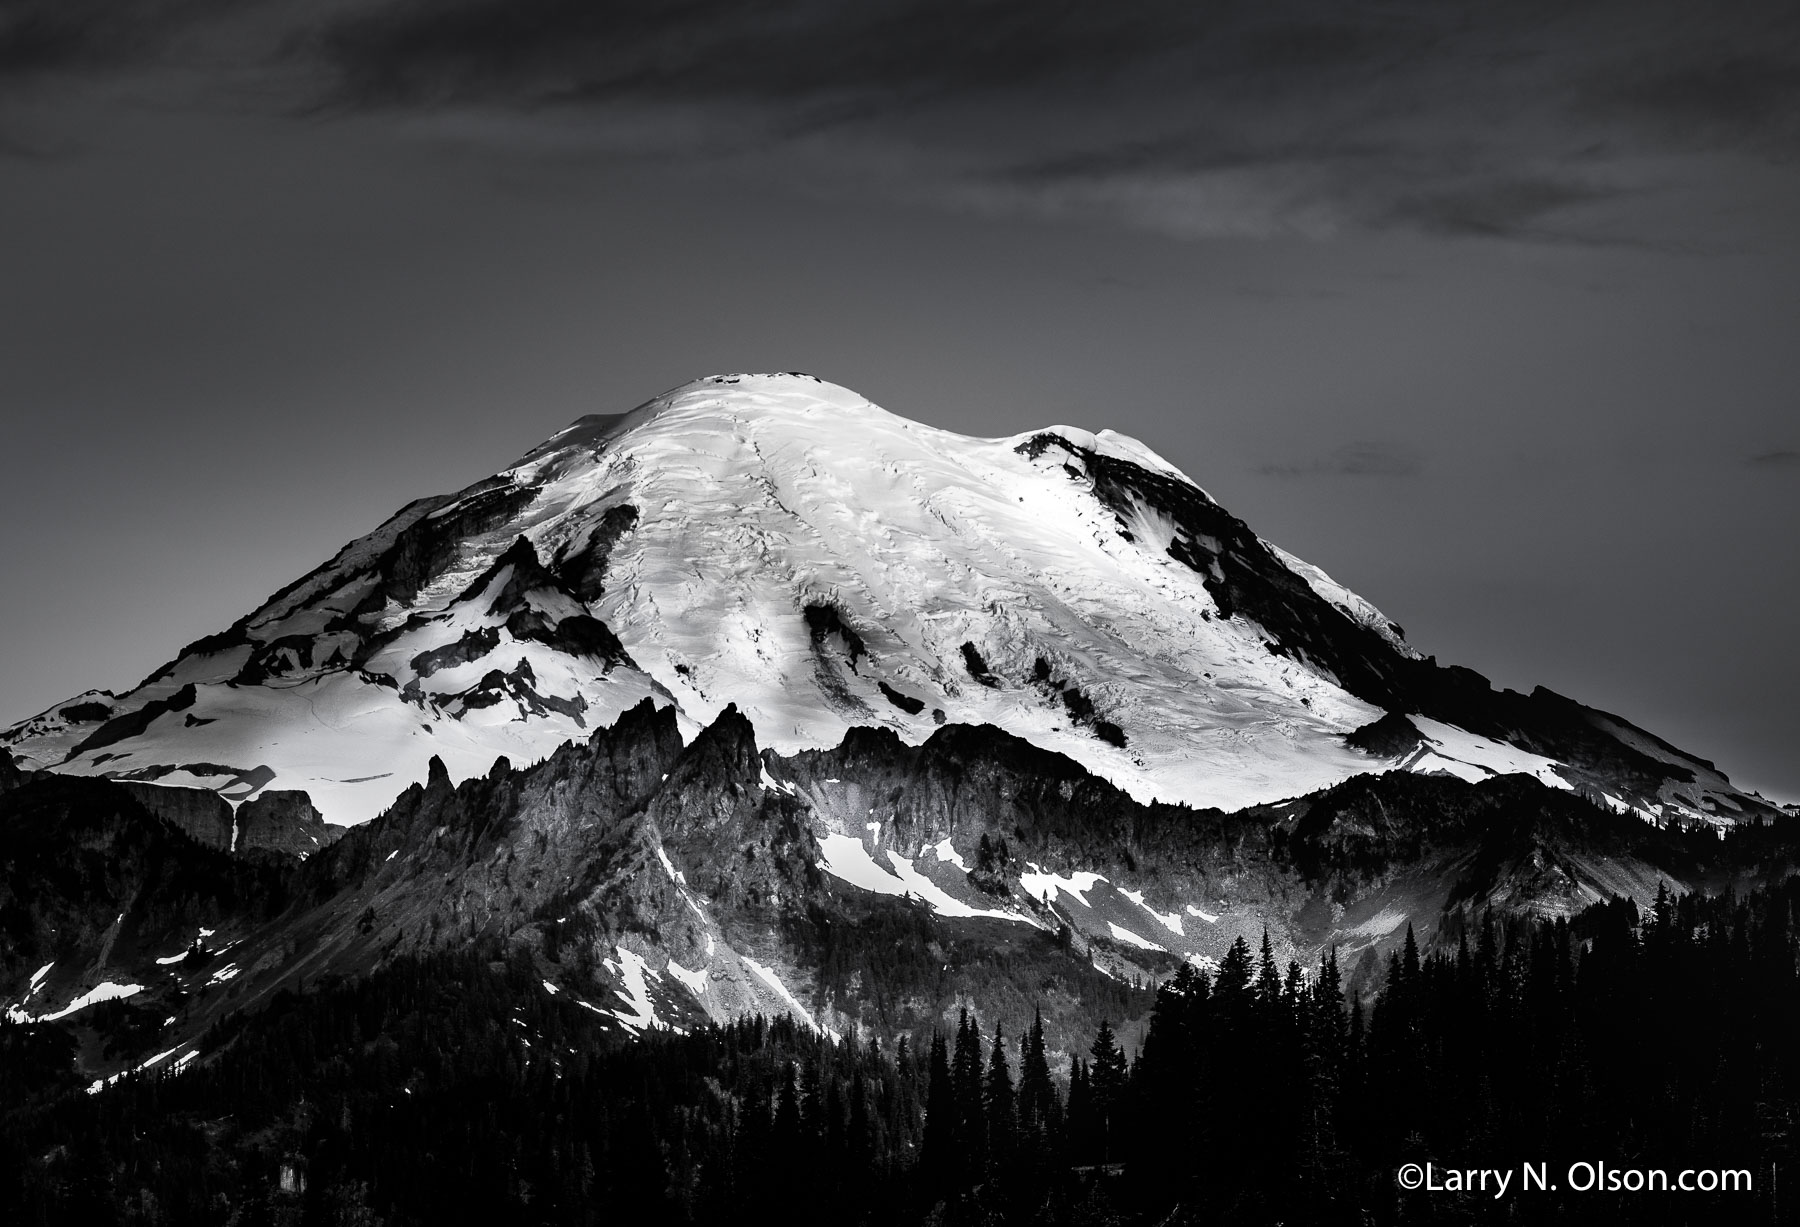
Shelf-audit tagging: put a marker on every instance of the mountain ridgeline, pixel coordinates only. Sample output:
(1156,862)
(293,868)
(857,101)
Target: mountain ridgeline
(668,885)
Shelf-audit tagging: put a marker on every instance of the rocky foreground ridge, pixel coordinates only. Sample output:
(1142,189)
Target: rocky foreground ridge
(868,890)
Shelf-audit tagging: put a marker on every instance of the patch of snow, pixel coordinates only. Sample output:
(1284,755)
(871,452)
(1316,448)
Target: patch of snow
(847,859)
(1077,884)
(947,853)
(101,992)
(551,988)
(695,980)
(100,1084)
(1472,757)
(1203,914)
(1386,921)
(1127,936)
(636,994)
(799,1011)
(1169,920)
(771,783)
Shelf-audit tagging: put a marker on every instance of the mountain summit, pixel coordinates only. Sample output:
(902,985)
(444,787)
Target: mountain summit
(780,544)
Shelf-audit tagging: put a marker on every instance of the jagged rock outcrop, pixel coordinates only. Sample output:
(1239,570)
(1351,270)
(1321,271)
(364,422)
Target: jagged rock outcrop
(283,821)
(1392,736)
(745,848)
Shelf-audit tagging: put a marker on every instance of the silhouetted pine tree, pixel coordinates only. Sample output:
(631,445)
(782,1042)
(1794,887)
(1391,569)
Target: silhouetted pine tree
(1038,1107)
(1107,1072)
(1083,1128)
(1002,1111)
(971,1113)
(940,1159)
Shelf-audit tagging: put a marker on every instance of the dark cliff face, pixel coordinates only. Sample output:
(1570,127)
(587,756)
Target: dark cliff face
(11,775)
(282,821)
(98,884)
(201,814)
(276,822)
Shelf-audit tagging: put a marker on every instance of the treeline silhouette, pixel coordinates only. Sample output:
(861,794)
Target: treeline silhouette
(454,1089)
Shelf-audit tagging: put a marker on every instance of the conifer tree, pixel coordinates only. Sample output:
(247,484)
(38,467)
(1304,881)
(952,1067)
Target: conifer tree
(940,1159)
(1268,980)
(860,1138)
(1037,1094)
(1080,1115)
(787,1116)
(1108,1074)
(1231,988)
(1164,1149)
(971,1115)
(1001,1104)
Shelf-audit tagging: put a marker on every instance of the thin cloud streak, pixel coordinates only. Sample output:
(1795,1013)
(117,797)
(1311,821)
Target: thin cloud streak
(1360,459)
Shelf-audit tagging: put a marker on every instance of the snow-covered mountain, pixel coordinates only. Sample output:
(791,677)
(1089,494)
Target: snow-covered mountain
(781,544)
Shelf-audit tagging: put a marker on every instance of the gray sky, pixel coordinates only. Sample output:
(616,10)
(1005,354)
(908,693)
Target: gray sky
(1488,309)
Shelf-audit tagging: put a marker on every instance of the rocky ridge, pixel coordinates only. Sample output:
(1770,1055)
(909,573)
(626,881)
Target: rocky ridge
(869,889)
